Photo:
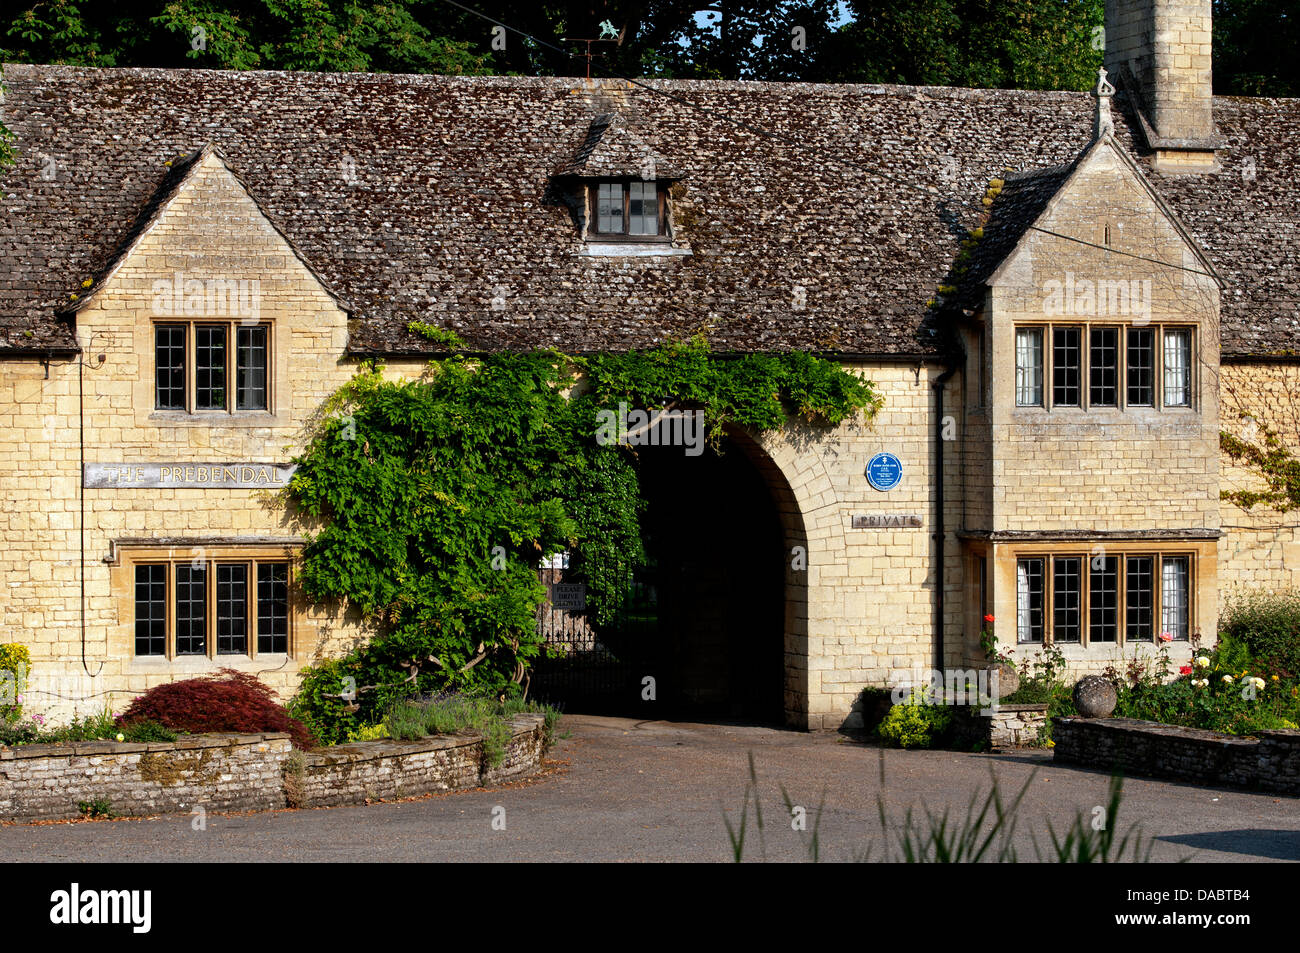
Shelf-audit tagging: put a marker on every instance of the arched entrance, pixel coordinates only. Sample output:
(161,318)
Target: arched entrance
(718,617)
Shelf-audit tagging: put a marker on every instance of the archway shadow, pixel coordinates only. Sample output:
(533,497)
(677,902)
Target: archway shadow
(714,628)
(715,540)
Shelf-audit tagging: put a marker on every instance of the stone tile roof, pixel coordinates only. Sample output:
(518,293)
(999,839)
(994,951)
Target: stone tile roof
(612,150)
(436,198)
(1023,198)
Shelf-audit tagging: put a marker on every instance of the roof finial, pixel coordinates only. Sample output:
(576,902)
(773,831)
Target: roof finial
(1105,125)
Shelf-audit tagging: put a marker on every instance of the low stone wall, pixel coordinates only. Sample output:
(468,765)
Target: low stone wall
(1008,726)
(1269,762)
(216,772)
(375,770)
(248,772)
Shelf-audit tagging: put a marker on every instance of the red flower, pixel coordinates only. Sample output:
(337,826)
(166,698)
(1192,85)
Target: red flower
(1185,670)
(988,618)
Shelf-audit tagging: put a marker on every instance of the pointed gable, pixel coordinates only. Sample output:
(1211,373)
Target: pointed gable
(188,178)
(1083,209)
(613,150)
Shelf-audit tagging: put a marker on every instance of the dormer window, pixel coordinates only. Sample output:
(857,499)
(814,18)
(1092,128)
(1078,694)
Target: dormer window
(629,210)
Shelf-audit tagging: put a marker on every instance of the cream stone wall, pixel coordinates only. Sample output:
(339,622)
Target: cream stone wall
(1261,546)
(870,591)
(211,229)
(1104,468)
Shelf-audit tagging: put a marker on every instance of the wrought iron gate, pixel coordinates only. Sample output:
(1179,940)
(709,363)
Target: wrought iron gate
(590,668)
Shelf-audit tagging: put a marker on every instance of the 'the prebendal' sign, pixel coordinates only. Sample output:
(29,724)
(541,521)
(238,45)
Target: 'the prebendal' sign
(186,475)
(884,471)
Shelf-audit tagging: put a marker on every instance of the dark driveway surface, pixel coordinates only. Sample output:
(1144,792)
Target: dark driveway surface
(623,790)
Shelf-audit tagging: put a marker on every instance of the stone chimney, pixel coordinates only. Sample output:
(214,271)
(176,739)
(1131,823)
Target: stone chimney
(1158,51)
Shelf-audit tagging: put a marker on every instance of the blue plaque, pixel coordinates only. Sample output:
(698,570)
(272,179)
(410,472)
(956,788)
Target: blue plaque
(884,471)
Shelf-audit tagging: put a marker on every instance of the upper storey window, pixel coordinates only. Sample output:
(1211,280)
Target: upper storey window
(1104,366)
(630,210)
(204,366)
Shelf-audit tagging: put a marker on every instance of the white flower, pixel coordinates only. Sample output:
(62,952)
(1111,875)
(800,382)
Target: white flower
(1202,661)
(1227,679)
(1200,682)
(1257,682)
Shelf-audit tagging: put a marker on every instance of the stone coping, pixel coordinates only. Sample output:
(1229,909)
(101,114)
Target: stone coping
(1160,729)
(351,751)
(391,747)
(182,743)
(1268,760)
(1035,706)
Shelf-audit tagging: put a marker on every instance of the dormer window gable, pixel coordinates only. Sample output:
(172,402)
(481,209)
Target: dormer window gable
(619,190)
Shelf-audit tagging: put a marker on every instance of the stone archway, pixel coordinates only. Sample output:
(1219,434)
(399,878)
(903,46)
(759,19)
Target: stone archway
(731,553)
(717,626)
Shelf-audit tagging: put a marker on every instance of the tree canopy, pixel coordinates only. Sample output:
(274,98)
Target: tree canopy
(1027,44)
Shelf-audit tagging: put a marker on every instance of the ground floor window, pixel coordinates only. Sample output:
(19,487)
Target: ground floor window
(1103,598)
(212,607)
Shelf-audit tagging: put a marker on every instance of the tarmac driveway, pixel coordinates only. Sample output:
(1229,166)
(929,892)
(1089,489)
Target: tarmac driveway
(623,790)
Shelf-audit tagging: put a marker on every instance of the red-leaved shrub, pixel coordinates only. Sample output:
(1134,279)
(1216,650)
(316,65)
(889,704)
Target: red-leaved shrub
(226,701)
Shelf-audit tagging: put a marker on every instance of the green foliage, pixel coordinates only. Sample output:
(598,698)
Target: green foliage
(1271,460)
(319,703)
(328,35)
(368,733)
(993,653)
(1221,693)
(15,668)
(437,498)
(100,807)
(406,722)
(145,731)
(1027,44)
(7,152)
(488,717)
(1267,626)
(986,833)
(1021,44)
(1254,48)
(758,391)
(102,726)
(738,833)
(916,723)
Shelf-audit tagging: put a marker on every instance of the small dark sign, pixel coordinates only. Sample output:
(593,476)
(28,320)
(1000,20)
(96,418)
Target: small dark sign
(569,596)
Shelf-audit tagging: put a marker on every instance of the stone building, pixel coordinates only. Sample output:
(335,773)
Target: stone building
(1062,298)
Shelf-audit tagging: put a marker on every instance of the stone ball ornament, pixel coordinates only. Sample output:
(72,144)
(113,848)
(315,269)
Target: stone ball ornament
(1094,696)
